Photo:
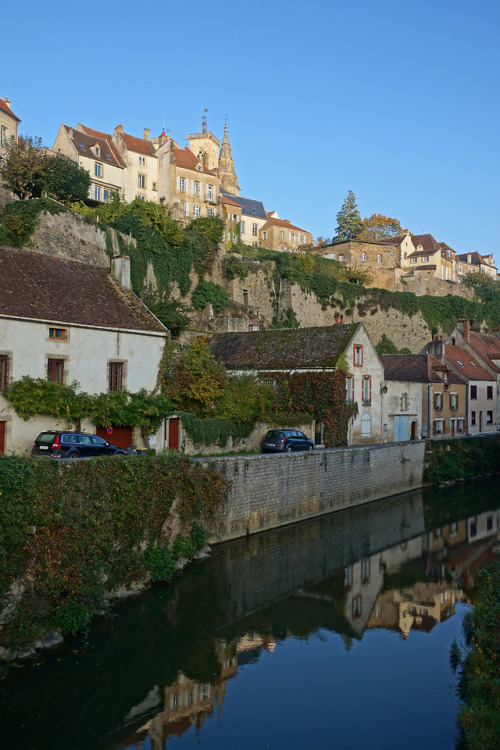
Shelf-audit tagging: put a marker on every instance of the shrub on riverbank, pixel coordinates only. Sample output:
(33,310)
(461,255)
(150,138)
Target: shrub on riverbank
(479,719)
(71,535)
(456,459)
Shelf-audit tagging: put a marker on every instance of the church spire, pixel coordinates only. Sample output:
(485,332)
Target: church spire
(229,181)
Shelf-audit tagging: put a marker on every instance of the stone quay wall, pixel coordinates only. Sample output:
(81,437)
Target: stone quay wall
(269,491)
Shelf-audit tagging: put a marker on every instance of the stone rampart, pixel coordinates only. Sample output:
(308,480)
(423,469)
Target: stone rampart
(269,491)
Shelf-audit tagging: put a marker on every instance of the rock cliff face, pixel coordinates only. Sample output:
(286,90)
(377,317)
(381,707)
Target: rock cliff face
(255,300)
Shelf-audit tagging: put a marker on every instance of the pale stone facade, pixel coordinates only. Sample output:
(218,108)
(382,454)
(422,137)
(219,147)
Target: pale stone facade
(282,236)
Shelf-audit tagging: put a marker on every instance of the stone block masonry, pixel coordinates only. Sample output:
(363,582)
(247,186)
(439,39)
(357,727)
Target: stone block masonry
(269,491)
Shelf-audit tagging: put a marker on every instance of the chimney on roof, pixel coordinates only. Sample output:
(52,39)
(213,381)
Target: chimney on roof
(469,258)
(7,102)
(436,347)
(467,330)
(119,129)
(120,269)
(147,134)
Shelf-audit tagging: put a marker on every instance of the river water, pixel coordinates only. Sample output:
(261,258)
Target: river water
(332,633)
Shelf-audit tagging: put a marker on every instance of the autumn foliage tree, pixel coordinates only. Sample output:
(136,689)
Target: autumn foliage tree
(198,380)
(23,166)
(378,227)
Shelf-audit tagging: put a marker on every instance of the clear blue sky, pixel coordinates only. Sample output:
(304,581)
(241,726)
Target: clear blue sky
(398,102)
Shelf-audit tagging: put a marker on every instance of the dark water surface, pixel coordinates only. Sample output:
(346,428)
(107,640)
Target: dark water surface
(332,633)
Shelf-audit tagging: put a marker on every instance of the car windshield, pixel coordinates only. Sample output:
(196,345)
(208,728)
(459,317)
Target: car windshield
(274,434)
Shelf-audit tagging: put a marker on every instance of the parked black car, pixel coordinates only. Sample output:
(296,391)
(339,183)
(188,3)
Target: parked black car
(66,444)
(286,441)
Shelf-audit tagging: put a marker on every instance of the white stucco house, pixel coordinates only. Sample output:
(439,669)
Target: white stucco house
(70,322)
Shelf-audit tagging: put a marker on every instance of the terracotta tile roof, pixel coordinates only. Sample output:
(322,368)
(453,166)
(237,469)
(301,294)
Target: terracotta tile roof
(284,223)
(427,241)
(476,259)
(186,159)
(103,136)
(5,108)
(42,287)
(415,368)
(426,267)
(84,144)
(283,349)
(229,201)
(487,345)
(466,365)
(138,145)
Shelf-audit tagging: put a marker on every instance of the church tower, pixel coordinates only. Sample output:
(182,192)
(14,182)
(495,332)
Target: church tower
(227,174)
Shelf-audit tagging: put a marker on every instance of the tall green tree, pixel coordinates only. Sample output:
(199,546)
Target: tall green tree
(348,219)
(23,166)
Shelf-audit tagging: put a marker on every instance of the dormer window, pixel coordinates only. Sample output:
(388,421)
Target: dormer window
(142,161)
(199,167)
(97,151)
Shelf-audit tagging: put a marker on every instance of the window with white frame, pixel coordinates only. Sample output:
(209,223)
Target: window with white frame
(453,401)
(141,181)
(242,227)
(98,169)
(96,192)
(210,192)
(460,425)
(379,258)
(264,235)
(255,230)
(292,237)
(106,195)
(301,239)
(363,257)
(196,187)
(367,390)
(196,211)
(3,135)
(282,235)
(349,385)
(142,161)
(438,426)
(438,401)
(182,184)
(210,212)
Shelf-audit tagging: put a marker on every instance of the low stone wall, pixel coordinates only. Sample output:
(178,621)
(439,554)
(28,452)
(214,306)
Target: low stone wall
(269,491)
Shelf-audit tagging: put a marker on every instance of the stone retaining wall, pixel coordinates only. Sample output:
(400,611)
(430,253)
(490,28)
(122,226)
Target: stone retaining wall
(269,491)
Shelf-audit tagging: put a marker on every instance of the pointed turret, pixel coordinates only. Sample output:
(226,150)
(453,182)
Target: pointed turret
(229,181)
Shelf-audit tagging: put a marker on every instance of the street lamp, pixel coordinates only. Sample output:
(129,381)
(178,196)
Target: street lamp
(383,391)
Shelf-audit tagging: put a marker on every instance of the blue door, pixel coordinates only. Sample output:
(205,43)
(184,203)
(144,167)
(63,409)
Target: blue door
(401,428)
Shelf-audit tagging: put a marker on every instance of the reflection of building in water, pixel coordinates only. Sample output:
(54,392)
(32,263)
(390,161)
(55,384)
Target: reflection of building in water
(187,703)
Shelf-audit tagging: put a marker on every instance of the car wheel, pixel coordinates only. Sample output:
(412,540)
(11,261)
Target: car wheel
(72,454)
(310,447)
(289,449)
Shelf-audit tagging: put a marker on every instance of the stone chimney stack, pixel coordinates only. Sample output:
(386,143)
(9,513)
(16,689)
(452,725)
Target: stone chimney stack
(119,129)
(467,331)
(436,347)
(147,134)
(120,269)
(7,102)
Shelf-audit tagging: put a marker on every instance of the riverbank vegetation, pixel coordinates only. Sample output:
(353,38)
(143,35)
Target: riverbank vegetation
(455,460)
(479,687)
(70,536)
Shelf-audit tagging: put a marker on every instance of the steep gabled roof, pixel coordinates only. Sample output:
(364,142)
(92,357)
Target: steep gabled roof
(5,108)
(83,142)
(476,259)
(103,136)
(186,159)
(288,349)
(138,145)
(429,244)
(466,365)
(249,206)
(41,287)
(487,346)
(416,368)
(284,223)
(229,201)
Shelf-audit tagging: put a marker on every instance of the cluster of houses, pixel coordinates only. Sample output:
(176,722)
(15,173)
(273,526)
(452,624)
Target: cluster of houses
(449,389)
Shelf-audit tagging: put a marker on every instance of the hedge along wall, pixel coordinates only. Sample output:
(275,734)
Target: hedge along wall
(70,535)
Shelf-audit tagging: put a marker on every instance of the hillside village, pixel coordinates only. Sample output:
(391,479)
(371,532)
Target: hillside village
(393,325)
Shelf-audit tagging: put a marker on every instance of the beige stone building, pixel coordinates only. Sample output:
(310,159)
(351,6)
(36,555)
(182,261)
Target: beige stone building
(283,236)
(95,152)
(476,263)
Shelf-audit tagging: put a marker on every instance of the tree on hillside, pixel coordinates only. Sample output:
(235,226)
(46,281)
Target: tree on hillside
(23,166)
(199,379)
(348,219)
(379,227)
(64,179)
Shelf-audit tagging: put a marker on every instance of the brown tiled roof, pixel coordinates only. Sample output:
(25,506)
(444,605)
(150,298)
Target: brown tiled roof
(426,267)
(138,145)
(282,223)
(427,241)
(229,201)
(84,144)
(105,137)
(396,240)
(41,287)
(283,349)
(476,259)
(470,368)
(5,108)
(186,159)
(415,368)
(487,345)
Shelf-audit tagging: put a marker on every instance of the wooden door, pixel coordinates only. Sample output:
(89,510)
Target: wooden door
(2,438)
(119,436)
(173,433)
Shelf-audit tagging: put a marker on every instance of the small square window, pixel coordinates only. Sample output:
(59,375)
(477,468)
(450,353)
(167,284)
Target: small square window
(57,333)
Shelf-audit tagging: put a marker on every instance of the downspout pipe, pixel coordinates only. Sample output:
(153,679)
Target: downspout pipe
(429,409)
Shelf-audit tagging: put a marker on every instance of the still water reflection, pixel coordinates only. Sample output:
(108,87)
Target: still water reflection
(332,633)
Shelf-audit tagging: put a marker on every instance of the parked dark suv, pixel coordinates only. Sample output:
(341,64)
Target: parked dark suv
(64,444)
(286,441)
